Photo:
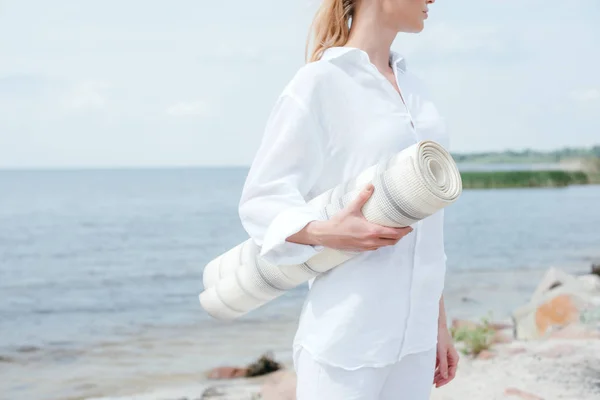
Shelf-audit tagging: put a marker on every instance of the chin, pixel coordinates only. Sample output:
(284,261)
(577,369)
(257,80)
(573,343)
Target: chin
(418,28)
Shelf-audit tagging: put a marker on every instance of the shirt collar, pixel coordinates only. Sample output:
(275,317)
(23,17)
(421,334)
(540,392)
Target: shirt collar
(396,59)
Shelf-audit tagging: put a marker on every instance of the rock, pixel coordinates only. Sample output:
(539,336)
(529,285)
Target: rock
(264,365)
(590,282)
(501,337)
(27,349)
(463,324)
(4,359)
(521,394)
(559,311)
(499,326)
(211,392)
(591,316)
(466,299)
(553,279)
(485,355)
(596,269)
(227,373)
(575,331)
(231,392)
(559,300)
(280,385)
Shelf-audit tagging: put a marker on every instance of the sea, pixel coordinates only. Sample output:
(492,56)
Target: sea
(100,272)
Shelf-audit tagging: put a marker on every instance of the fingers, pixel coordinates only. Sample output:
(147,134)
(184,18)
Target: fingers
(441,381)
(376,236)
(375,243)
(364,195)
(451,358)
(372,236)
(452,364)
(392,233)
(375,231)
(443,368)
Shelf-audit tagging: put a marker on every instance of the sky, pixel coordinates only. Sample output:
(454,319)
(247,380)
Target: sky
(131,83)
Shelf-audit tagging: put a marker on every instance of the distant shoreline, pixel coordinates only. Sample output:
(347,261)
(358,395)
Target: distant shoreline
(529,156)
(530,168)
(525,179)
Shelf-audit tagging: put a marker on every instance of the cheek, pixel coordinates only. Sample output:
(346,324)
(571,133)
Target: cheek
(415,8)
(407,15)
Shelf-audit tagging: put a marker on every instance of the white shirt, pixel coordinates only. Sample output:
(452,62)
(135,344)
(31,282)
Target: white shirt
(335,118)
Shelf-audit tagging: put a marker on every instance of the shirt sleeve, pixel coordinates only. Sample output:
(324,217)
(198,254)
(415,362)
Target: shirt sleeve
(285,168)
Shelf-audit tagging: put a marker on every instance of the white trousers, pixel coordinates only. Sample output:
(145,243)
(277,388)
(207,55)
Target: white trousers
(409,379)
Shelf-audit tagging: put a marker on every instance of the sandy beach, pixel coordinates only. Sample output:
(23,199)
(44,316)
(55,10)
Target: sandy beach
(533,370)
(172,364)
(548,349)
(552,369)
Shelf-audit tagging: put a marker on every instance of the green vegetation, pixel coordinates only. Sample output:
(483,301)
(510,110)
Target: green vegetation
(592,168)
(594,178)
(570,166)
(475,339)
(528,156)
(506,179)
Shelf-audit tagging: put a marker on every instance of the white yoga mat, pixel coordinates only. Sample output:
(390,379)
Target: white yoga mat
(410,186)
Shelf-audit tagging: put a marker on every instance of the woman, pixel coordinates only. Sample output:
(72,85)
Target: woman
(374,327)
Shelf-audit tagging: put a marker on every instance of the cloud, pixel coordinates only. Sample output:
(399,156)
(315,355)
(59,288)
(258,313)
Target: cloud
(87,95)
(185,109)
(585,95)
(500,70)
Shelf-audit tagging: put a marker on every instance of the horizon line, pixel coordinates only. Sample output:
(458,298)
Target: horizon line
(34,168)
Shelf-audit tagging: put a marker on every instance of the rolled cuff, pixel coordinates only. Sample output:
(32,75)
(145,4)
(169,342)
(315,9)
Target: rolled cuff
(276,250)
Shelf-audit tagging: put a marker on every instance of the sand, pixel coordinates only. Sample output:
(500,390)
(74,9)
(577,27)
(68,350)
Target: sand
(533,370)
(552,369)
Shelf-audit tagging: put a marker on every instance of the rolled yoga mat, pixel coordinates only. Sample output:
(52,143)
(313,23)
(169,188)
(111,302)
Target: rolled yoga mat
(409,186)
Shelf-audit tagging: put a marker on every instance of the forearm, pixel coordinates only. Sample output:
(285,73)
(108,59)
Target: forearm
(442,322)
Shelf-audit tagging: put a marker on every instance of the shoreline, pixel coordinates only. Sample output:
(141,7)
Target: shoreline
(550,349)
(528,370)
(500,359)
(524,179)
(175,359)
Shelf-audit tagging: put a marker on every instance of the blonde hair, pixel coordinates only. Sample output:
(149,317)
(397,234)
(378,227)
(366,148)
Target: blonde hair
(331,27)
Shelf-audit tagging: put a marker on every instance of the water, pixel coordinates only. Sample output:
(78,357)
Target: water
(100,272)
(514,167)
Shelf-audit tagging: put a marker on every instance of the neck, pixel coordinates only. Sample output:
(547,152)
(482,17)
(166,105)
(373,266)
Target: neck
(370,35)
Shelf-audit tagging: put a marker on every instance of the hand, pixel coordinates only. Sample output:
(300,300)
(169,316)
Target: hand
(349,229)
(447,358)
